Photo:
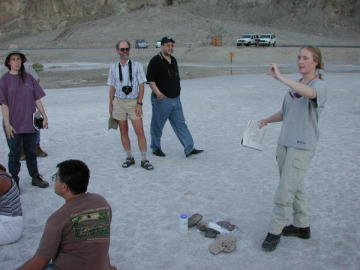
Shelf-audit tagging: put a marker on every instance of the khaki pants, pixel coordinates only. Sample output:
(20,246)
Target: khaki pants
(124,108)
(290,195)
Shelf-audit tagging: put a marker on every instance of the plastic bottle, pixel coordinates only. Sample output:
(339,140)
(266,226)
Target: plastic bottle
(183,224)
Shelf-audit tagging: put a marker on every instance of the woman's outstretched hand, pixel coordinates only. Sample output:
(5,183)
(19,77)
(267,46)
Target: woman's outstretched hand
(274,71)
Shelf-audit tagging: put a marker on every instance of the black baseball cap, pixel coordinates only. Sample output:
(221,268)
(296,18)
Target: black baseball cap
(166,40)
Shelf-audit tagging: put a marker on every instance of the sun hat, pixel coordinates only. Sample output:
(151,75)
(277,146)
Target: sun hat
(223,244)
(112,123)
(11,52)
(166,40)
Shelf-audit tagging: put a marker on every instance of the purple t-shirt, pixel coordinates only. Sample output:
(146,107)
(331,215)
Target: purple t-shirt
(20,97)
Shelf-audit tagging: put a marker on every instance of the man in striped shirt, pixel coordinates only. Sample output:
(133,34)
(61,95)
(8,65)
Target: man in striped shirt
(126,80)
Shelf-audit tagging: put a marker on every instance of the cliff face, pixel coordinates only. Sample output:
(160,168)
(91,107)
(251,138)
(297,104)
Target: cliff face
(76,21)
(31,16)
(311,14)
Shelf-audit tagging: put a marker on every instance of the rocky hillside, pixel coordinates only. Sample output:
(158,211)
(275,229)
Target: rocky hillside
(94,23)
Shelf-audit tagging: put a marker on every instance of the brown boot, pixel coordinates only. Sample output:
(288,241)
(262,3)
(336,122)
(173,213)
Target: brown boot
(22,155)
(39,152)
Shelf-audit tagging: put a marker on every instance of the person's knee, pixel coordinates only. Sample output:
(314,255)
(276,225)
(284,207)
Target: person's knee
(140,133)
(284,196)
(124,129)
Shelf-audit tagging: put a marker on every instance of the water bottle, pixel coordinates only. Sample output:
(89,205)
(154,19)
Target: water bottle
(183,224)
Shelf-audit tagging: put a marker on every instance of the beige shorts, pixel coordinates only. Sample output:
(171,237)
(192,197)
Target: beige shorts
(124,108)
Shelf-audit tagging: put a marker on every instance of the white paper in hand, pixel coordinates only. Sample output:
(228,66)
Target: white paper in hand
(253,136)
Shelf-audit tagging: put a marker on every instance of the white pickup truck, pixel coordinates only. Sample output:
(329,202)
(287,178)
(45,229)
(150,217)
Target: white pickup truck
(267,40)
(247,40)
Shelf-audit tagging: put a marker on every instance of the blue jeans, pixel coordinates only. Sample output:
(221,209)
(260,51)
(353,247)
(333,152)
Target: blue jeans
(162,110)
(29,141)
(37,138)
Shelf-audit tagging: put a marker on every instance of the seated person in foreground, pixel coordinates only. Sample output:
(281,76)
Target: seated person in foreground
(11,220)
(77,235)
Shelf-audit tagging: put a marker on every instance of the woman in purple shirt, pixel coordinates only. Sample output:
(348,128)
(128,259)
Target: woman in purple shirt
(19,95)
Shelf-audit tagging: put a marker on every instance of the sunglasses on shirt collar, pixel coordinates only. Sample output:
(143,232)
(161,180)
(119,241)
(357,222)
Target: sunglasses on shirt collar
(294,95)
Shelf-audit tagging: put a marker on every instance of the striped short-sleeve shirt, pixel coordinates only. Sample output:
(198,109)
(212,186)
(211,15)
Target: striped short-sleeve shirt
(10,204)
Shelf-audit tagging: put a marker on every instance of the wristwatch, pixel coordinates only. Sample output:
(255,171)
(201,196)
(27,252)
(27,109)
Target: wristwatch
(140,103)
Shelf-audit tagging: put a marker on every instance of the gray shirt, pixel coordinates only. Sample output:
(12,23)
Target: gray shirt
(301,116)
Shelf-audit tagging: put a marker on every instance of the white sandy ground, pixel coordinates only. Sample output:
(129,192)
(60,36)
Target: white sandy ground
(226,182)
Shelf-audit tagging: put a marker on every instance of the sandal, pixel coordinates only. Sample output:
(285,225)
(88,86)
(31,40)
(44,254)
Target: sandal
(208,232)
(146,165)
(129,161)
(211,233)
(226,225)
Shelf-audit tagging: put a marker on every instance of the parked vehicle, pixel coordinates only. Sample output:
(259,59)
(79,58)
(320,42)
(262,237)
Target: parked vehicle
(158,43)
(247,40)
(267,40)
(141,44)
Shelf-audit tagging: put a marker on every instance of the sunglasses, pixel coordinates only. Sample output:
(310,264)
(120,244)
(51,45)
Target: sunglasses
(294,95)
(124,49)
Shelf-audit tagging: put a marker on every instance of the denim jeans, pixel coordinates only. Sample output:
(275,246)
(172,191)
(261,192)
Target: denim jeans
(29,141)
(162,110)
(37,138)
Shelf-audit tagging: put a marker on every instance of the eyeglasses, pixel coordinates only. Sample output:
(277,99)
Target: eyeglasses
(54,177)
(124,49)
(294,95)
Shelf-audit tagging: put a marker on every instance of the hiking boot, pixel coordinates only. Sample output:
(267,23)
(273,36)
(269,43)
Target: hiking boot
(270,242)
(39,152)
(194,152)
(159,153)
(291,230)
(39,182)
(22,154)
